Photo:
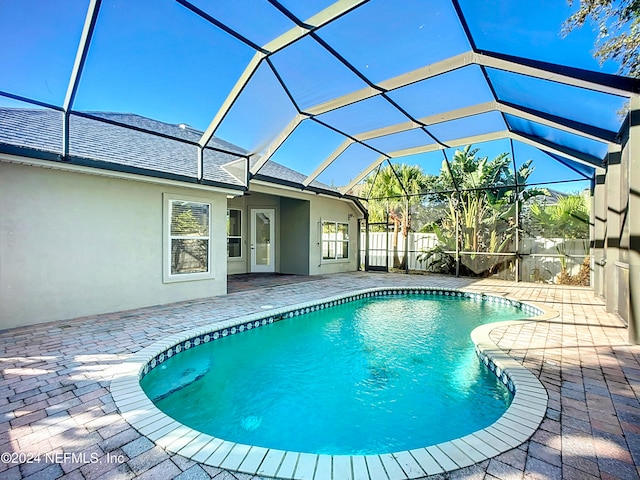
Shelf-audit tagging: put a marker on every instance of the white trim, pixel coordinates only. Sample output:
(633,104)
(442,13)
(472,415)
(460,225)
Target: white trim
(239,258)
(270,267)
(277,142)
(316,21)
(414,76)
(364,173)
(262,183)
(556,151)
(428,71)
(260,186)
(328,161)
(83,47)
(517,112)
(343,101)
(513,67)
(233,95)
(65,167)
(336,259)
(390,130)
(167,276)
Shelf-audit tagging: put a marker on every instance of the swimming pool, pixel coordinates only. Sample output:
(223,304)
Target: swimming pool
(375,375)
(521,419)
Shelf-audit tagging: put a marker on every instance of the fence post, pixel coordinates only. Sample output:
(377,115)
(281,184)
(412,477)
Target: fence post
(406,237)
(517,236)
(457,243)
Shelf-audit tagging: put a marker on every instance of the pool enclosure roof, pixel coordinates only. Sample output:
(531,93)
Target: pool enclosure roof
(314,95)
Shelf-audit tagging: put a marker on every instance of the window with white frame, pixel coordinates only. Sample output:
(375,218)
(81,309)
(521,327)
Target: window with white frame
(188,227)
(335,240)
(234,233)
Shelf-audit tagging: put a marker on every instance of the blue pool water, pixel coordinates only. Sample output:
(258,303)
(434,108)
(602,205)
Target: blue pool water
(372,376)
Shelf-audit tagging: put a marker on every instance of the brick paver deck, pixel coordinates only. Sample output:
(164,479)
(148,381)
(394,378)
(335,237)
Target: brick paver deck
(58,419)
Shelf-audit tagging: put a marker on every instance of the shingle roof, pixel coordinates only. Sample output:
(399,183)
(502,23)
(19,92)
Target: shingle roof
(31,128)
(273,171)
(97,137)
(331,89)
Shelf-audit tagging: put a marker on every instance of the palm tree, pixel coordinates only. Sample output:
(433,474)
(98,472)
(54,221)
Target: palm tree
(480,189)
(482,204)
(394,191)
(569,218)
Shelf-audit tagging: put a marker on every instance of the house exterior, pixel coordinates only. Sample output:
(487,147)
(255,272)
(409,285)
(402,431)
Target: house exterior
(129,219)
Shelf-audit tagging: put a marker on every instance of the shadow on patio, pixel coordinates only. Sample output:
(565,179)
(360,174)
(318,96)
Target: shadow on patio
(55,400)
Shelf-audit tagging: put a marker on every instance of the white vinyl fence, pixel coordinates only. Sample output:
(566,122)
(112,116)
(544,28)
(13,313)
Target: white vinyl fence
(541,258)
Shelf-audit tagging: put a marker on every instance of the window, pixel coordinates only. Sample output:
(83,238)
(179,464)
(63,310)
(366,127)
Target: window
(335,241)
(188,227)
(234,233)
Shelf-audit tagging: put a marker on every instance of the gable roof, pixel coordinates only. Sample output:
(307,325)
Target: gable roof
(324,90)
(133,143)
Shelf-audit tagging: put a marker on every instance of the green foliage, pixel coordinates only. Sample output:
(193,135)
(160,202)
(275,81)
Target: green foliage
(388,197)
(391,200)
(437,260)
(618,24)
(569,218)
(485,206)
(185,223)
(471,207)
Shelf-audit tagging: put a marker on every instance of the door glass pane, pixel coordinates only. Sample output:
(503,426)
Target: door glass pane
(263,239)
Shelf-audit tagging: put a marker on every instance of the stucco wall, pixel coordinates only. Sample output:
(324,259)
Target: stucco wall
(328,209)
(318,208)
(245,204)
(617,241)
(294,241)
(75,244)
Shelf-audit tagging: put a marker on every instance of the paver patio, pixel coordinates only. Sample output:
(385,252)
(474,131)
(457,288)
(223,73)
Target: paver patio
(58,420)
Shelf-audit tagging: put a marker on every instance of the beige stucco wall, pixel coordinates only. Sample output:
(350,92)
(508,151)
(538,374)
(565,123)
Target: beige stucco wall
(73,244)
(321,208)
(329,209)
(245,204)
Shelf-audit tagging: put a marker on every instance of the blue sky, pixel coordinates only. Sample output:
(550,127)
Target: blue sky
(157,59)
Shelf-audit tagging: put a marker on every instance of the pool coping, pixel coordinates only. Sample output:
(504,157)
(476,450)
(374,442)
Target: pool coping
(514,427)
